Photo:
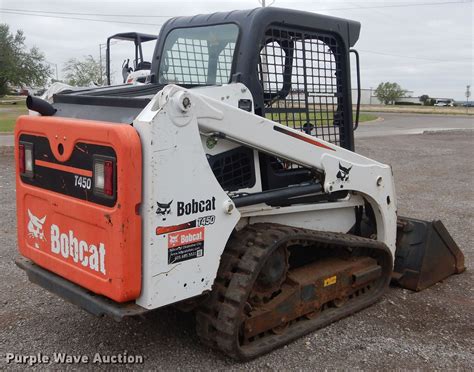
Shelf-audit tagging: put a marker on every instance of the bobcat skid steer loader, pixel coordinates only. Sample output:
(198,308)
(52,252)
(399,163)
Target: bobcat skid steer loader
(228,185)
(137,72)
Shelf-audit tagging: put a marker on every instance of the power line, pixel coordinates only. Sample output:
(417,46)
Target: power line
(81,19)
(170,16)
(88,14)
(30,13)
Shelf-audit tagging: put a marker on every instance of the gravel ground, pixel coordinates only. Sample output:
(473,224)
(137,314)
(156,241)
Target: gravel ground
(430,330)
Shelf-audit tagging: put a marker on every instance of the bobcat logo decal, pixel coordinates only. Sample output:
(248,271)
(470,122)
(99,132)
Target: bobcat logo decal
(163,209)
(343,173)
(35,228)
(173,239)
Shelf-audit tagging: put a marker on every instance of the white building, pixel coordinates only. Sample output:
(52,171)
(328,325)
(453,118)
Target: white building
(367,97)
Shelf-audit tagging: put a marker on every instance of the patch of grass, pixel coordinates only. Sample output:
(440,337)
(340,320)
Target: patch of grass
(419,109)
(20,105)
(364,116)
(8,115)
(12,100)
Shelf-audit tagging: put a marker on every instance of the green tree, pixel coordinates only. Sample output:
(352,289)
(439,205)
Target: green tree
(84,72)
(18,65)
(424,98)
(389,92)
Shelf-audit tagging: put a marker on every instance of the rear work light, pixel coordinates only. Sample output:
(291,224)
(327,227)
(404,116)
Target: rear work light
(25,159)
(104,176)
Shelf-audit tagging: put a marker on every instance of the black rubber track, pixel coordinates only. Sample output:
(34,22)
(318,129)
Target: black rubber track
(219,318)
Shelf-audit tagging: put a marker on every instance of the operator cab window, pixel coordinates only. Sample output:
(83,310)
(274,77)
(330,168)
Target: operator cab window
(198,55)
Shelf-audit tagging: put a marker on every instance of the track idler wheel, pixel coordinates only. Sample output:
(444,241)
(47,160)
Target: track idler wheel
(271,276)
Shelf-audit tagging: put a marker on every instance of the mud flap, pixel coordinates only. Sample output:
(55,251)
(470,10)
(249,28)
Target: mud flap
(426,253)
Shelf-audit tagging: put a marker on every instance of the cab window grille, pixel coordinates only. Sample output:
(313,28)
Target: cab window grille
(301,76)
(199,55)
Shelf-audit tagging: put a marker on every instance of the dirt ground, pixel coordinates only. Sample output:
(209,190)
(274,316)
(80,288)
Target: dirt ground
(429,330)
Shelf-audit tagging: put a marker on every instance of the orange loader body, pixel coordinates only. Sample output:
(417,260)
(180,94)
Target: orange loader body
(96,246)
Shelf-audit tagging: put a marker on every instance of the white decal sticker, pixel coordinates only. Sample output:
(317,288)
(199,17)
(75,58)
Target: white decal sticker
(185,245)
(83,182)
(35,228)
(67,245)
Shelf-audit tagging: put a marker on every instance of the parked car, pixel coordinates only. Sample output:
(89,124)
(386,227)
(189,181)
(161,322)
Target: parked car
(444,102)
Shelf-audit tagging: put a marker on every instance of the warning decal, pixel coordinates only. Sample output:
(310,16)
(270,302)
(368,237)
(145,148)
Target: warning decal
(185,244)
(330,281)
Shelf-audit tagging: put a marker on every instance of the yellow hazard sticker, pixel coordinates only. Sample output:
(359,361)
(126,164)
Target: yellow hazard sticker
(330,281)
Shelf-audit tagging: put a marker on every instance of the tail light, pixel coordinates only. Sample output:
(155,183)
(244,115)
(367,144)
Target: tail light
(25,159)
(21,158)
(109,178)
(104,177)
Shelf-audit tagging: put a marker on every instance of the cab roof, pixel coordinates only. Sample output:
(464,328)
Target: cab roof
(251,18)
(134,36)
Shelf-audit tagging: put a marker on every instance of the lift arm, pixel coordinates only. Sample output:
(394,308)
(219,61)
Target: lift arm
(343,169)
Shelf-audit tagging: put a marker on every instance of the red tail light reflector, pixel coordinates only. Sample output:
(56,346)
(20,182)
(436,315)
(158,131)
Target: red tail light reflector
(109,178)
(21,158)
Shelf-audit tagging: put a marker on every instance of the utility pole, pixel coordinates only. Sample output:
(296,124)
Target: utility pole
(468,94)
(263,3)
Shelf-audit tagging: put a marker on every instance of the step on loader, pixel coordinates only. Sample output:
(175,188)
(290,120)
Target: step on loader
(228,185)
